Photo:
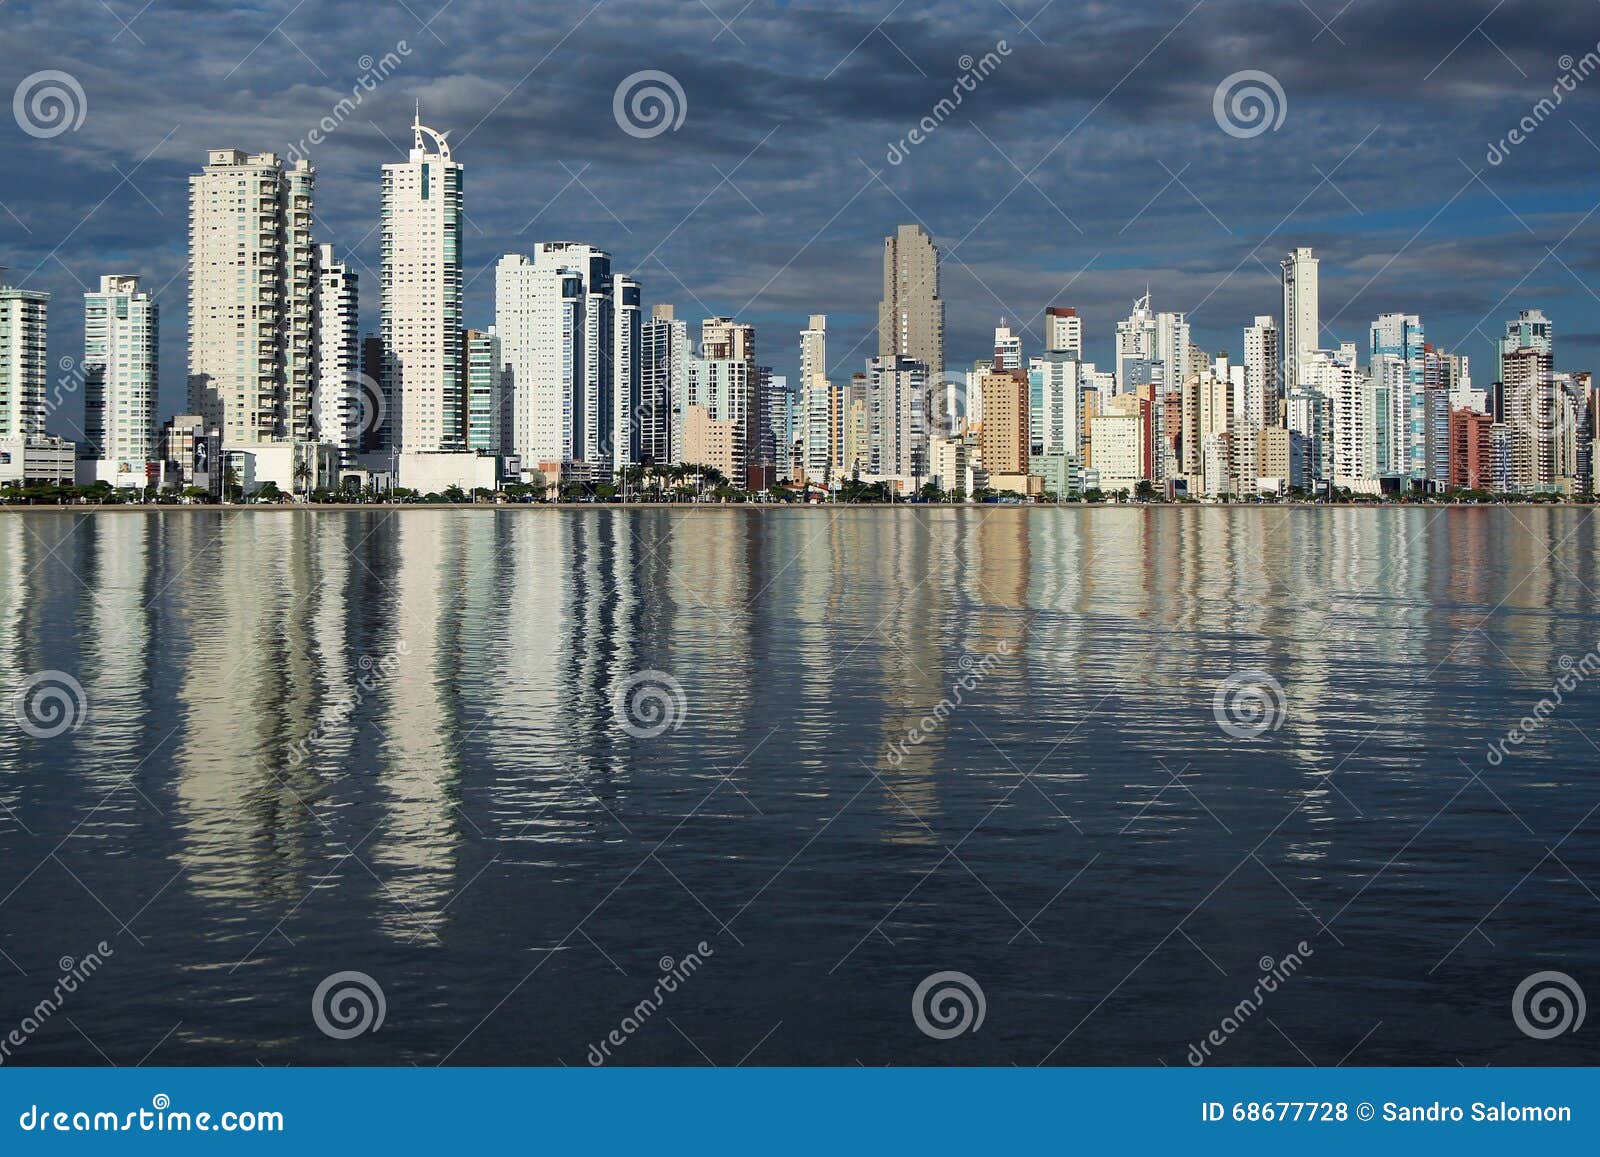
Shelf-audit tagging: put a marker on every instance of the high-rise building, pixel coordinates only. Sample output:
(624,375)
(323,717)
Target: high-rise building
(1400,335)
(855,427)
(487,405)
(23,316)
(664,355)
(1152,348)
(336,401)
(899,402)
(424,376)
(1263,367)
(911,314)
(1471,450)
(1063,332)
(722,388)
(724,339)
(1003,441)
(1302,316)
(596,375)
(626,372)
(252,290)
(539,319)
(121,323)
(1207,410)
(1530,329)
(817,402)
(1059,427)
(1532,418)
(373,431)
(1007,349)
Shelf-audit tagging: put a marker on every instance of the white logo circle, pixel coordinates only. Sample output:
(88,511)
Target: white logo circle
(49,103)
(649,103)
(1248,103)
(49,703)
(650,704)
(348,1004)
(948,1004)
(1548,1004)
(1248,704)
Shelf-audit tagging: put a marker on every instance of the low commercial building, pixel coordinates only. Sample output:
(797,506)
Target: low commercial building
(293,467)
(434,473)
(38,460)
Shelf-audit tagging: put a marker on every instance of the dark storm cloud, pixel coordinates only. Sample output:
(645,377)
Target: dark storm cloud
(1087,165)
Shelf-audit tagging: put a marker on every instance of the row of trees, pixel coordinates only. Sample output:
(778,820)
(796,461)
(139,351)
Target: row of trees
(686,483)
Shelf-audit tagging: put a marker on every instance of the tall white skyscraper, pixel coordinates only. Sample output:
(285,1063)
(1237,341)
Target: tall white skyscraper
(1263,366)
(423,371)
(538,315)
(1061,427)
(1152,347)
(816,401)
(626,374)
(121,326)
(1302,314)
(663,383)
(1007,348)
(23,314)
(337,401)
(252,289)
(596,402)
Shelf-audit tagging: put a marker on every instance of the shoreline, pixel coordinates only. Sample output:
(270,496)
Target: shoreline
(691,507)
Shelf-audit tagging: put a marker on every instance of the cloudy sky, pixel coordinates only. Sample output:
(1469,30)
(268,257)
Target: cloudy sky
(1090,162)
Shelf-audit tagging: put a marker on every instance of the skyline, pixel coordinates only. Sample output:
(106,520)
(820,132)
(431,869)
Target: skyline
(1183,231)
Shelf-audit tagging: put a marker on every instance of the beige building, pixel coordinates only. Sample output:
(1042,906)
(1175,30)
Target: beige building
(911,314)
(1003,438)
(710,442)
(948,457)
(252,291)
(1532,415)
(1207,410)
(1117,441)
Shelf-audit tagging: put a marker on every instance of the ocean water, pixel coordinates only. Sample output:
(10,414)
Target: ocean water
(774,786)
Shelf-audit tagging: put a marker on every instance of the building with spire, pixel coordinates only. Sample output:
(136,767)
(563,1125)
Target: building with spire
(424,373)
